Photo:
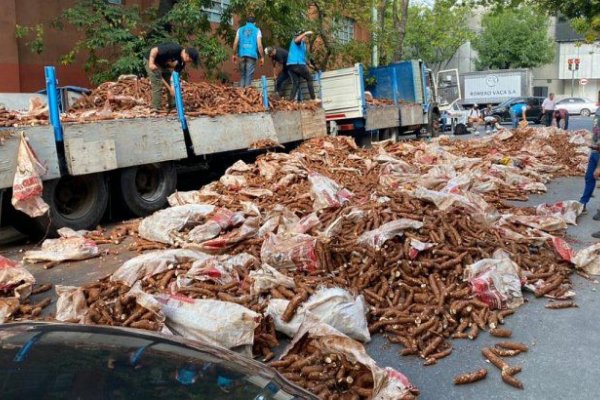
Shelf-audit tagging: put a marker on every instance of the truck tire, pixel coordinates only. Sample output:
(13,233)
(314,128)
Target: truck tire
(76,202)
(145,188)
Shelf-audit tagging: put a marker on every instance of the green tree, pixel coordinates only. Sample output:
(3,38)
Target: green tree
(513,38)
(282,19)
(114,40)
(434,35)
(585,14)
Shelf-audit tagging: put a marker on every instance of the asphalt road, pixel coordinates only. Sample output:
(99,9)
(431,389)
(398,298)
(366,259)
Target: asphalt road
(564,357)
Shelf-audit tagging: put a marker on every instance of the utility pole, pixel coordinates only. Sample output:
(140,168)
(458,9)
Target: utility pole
(374,35)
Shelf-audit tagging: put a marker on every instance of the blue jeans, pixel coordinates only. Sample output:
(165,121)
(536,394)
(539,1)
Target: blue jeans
(515,119)
(590,181)
(281,79)
(247,67)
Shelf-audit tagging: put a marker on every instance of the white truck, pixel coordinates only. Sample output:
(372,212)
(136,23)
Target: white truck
(495,86)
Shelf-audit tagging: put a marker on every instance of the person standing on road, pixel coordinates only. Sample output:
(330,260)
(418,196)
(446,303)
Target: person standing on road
(279,59)
(296,65)
(247,48)
(162,61)
(562,115)
(592,173)
(516,111)
(548,107)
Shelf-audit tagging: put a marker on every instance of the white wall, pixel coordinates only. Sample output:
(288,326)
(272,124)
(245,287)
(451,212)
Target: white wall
(589,54)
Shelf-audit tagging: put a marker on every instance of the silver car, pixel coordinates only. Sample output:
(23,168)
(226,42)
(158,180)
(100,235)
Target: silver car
(578,105)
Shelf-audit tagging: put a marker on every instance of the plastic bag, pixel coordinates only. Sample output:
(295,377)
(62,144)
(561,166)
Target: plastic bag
(267,277)
(389,384)
(496,281)
(221,269)
(248,229)
(416,247)
(153,263)
(233,182)
(160,226)
(334,306)
(375,239)
(15,281)
(215,322)
(222,219)
(290,251)
(183,198)
(238,166)
(326,193)
(588,259)
(256,192)
(27,183)
(68,248)
(544,223)
(567,210)
(71,304)
(266,169)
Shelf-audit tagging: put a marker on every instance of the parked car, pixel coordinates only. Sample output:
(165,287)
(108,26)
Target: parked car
(71,361)
(502,110)
(578,105)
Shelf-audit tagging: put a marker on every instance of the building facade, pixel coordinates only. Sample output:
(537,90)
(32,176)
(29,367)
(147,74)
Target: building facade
(554,77)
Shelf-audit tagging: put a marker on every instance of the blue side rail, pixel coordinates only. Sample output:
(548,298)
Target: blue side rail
(54,113)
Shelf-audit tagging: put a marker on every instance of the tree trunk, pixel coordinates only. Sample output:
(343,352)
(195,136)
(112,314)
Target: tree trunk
(400,26)
(381,29)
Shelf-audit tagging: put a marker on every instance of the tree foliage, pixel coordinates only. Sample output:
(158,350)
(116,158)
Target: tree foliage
(585,14)
(114,40)
(390,29)
(513,38)
(283,19)
(434,35)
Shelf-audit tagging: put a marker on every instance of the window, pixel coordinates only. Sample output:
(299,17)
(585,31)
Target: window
(216,10)
(541,91)
(343,30)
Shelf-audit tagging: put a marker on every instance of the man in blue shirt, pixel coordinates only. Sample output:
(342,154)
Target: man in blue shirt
(296,65)
(516,111)
(248,48)
(591,174)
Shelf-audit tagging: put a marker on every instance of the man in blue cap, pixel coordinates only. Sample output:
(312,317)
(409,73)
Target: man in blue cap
(296,65)
(248,48)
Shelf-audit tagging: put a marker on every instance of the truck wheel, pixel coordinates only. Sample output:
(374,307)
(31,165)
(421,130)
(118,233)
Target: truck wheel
(145,188)
(460,129)
(76,202)
(585,112)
